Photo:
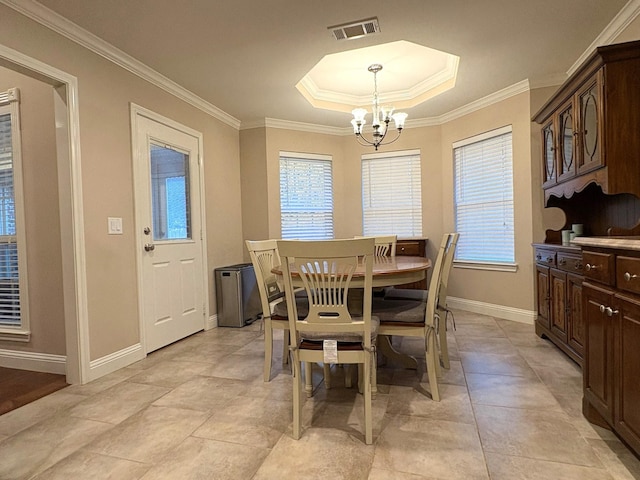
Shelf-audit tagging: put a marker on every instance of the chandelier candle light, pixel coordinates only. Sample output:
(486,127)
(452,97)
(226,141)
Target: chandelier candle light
(381,117)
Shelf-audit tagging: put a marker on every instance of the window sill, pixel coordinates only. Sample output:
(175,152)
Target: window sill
(14,334)
(495,267)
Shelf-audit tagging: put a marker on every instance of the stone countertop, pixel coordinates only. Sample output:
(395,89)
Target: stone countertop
(626,243)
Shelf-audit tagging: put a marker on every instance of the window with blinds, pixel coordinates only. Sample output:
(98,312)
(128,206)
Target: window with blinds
(9,271)
(483,202)
(306,196)
(392,194)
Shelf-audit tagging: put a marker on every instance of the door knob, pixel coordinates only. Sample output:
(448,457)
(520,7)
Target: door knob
(149,247)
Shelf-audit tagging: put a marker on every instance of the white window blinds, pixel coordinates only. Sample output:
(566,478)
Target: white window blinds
(484,197)
(306,196)
(9,278)
(392,194)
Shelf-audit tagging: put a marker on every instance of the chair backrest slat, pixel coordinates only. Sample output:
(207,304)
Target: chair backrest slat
(264,256)
(385,245)
(326,269)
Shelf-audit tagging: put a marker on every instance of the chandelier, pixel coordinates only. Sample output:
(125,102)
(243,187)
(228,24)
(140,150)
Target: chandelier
(381,118)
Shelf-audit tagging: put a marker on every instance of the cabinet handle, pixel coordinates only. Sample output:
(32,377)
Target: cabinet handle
(549,259)
(628,276)
(610,312)
(578,266)
(538,257)
(588,267)
(602,308)
(562,261)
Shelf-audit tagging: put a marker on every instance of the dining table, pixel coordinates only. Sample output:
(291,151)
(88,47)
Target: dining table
(387,271)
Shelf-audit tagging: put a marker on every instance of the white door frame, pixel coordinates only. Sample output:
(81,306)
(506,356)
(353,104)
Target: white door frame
(140,172)
(76,313)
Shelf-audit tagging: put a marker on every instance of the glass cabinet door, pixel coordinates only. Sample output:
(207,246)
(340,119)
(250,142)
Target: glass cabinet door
(589,101)
(566,142)
(549,155)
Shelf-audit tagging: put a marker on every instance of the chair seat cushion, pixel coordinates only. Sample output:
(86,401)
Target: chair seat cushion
(399,310)
(346,337)
(302,304)
(406,294)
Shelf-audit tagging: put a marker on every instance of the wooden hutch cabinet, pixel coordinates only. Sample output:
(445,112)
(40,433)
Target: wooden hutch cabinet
(559,282)
(590,136)
(611,370)
(413,248)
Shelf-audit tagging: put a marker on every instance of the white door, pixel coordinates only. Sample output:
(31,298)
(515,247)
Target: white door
(170,239)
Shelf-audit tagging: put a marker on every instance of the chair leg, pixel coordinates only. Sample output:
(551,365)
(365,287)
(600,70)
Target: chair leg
(442,334)
(285,347)
(366,380)
(268,349)
(374,374)
(308,378)
(433,364)
(297,397)
(326,368)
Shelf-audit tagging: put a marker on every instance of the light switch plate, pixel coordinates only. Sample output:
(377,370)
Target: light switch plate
(115,225)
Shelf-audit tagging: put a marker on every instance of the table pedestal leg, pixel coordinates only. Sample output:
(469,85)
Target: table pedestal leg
(386,348)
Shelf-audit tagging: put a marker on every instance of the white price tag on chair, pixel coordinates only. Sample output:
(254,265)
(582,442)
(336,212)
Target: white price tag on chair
(330,350)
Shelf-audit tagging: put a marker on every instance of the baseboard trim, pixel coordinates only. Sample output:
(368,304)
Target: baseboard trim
(36,362)
(499,311)
(115,361)
(212,322)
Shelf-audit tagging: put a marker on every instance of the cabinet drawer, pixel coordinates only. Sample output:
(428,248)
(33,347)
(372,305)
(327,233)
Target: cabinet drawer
(409,248)
(545,257)
(628,274)
(599,266)
(570,263)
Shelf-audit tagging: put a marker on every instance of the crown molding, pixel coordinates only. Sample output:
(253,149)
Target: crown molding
(484,102)
(299,126)
(500,95)
(68,29)
(615,27)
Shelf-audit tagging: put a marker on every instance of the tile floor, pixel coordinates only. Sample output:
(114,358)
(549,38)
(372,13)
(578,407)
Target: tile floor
(199,409)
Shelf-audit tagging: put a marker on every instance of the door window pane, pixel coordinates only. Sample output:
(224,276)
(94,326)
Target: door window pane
(170,194)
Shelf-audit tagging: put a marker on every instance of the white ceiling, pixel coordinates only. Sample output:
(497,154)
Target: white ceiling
(246,56)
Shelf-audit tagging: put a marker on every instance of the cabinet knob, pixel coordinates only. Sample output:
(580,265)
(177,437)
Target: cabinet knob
(602,308)
(628,277)
(549,259)
(610,312)
(588,267)
(578,266)
(538,257)
(562,261)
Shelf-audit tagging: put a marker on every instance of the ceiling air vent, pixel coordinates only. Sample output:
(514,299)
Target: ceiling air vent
(357,29)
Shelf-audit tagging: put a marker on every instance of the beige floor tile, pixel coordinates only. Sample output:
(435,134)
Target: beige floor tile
(444,449)
(119,402)
(479,330)
(540,434)
(496,363)
(617,459)
(39,447)
(380,474)
(511,327)
(500,346)
(510,391)
(170,373)
(150,434)
(320,453)
(202,393)
(462,317)
(87,465)
(200,458)
(102,383)
(34,412)
(454,404)
(546,355)
(232,336)
(503,467)
(240,367)
(205,353)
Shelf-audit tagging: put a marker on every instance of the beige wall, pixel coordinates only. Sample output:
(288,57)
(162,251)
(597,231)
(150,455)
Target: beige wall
(105,93)
(42,220)
(514,290)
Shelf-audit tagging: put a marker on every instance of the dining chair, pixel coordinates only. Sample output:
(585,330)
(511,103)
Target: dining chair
(330,332)
(264,256)
(385,245)
(441,306)
(408,317)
